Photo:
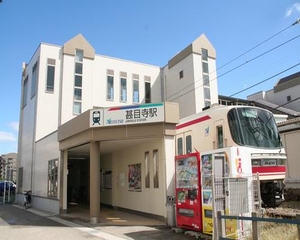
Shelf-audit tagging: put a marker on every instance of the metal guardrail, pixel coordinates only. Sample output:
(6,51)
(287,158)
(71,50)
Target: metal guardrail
(255,219)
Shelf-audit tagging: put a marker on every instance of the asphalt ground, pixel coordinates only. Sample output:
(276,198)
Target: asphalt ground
(14,219)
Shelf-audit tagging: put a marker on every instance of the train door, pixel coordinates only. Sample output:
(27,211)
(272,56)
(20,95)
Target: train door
(188,191)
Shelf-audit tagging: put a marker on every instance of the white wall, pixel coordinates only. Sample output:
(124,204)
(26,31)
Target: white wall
(149,200)
(47,107)
(27,129)
(46,149)
(181,90)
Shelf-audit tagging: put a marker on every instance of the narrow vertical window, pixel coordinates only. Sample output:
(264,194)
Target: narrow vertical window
(25,91)
(181,74)
(206,80)
(220,136)
(136,93)
(179,146)
(147,170)
(53,178)
(110,88)
(188,141)
(205,76)
(147,89)
(34,79)
(123,90)
(205,67)
(204,54)
(50,75)
(78,73)
(77,108)
(155,169)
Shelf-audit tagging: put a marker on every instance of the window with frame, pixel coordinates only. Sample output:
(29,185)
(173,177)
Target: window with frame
(204,54)
(147,170)
(188,144)
(53,178)
(50,75)
(136,92)
(110,88)
(205,67)
(155,169)
(179,146)
(34,79)
(123,89)
(25,91)
(207,93)
(147,92)
(181,74)
(205,80)
(220,136)
(77,101)
(77,108)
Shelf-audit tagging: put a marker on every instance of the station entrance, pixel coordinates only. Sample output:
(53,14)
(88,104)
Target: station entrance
(129,166)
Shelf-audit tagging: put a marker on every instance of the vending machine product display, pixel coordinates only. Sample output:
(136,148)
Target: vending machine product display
(188,192)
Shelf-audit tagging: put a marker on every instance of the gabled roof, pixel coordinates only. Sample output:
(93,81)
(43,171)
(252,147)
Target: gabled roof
(195,47)
(79,42)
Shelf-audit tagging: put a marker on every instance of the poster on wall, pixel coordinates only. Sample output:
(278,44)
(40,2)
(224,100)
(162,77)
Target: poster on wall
(134,177)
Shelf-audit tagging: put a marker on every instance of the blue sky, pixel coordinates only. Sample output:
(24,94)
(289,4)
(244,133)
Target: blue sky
(151,32)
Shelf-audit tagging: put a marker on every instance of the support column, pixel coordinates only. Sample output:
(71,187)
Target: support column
(94,182)
(63,184)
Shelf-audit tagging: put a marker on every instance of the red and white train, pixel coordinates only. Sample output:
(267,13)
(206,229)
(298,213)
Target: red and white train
(225,140)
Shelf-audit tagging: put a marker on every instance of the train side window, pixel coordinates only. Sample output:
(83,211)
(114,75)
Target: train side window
(220,136)
(188,143)
(179,146)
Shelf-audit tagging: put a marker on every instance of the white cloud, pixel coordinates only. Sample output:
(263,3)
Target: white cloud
(293,9)
(14,126)
(6,136)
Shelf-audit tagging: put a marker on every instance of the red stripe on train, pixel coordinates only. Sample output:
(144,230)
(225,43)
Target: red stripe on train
(192,122)
(270,169)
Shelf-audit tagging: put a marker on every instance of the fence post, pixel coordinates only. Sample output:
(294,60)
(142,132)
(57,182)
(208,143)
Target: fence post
(298,225)
(255,227)
(221,227)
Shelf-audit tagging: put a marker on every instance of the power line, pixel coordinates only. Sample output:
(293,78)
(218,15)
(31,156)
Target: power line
(269,78)
(254,85)
(256,46)
(178,92)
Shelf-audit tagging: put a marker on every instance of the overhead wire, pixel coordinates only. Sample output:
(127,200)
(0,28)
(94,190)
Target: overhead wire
(178,92)
(256,84)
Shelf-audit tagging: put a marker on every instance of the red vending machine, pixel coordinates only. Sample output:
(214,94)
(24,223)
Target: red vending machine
(188,191)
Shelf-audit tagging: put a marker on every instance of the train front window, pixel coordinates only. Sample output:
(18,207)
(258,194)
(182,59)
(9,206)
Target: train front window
(253,127)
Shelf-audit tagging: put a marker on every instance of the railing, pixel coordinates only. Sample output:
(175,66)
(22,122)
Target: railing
(255,219)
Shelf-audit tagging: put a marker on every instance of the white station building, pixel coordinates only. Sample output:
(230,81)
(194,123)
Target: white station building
(101,130)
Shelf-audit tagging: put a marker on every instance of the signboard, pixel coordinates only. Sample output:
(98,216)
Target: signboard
(134,114)
(96,118)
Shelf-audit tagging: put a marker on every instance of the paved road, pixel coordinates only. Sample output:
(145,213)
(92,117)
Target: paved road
(18,223)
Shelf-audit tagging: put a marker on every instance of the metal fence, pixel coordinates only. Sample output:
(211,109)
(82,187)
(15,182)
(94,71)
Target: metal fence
(235,196)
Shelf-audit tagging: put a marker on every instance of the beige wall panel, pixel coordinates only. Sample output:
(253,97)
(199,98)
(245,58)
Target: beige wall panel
(76,140)
(74,126)
(171,112)
(79,42)
(109,133)
(145,130)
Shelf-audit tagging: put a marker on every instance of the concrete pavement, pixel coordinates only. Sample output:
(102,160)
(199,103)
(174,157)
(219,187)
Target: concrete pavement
(15,215)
